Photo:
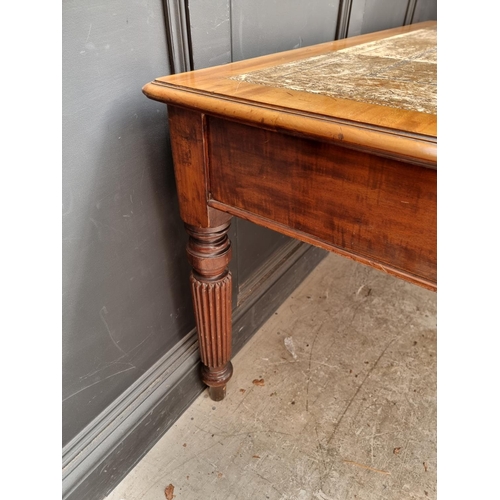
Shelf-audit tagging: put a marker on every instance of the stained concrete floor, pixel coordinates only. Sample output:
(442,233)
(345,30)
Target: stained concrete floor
(334,398)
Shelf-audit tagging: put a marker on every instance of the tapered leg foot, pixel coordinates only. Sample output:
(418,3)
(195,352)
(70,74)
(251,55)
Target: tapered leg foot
(217,393)
(209,252)
(216,379)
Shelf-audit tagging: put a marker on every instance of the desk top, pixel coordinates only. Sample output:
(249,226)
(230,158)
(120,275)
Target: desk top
(374,92)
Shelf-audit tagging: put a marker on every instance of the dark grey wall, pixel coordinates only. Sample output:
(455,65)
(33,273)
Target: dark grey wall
(267,26)
(368,16)
(125,294)
(129,344)
(210,24)
(425,10)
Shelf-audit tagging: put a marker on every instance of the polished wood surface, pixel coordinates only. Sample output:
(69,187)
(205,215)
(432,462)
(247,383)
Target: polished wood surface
(371,207)
(384,130)
(354,177)
(209,253)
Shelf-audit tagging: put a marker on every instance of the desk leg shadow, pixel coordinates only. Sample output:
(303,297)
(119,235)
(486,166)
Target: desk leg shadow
(209,253)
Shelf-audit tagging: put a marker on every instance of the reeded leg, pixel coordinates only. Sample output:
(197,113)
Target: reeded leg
(209,253)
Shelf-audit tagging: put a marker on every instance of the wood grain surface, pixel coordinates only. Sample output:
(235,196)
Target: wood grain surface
(383,129)
(378,210)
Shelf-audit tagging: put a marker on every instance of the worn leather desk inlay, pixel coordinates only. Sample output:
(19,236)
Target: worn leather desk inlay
(402,72)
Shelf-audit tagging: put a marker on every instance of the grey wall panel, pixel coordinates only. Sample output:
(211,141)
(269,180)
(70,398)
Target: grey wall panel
(255,245)
(210,32)
(368,16)
(425,10)
(178,35)
(266,26)
(125,287)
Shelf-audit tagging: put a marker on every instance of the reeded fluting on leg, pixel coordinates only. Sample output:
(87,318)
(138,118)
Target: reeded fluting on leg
(209,253)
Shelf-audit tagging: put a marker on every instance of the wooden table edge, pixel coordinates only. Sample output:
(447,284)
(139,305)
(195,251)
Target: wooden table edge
(414,148)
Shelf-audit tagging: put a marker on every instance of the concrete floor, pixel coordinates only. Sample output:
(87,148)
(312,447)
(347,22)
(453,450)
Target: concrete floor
(334,398)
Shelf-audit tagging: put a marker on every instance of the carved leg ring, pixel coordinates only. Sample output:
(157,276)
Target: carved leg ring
(209,253)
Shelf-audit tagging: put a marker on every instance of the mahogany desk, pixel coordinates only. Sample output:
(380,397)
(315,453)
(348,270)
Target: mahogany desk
(334,145)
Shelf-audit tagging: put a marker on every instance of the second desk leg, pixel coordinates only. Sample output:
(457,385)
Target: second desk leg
(209,253)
